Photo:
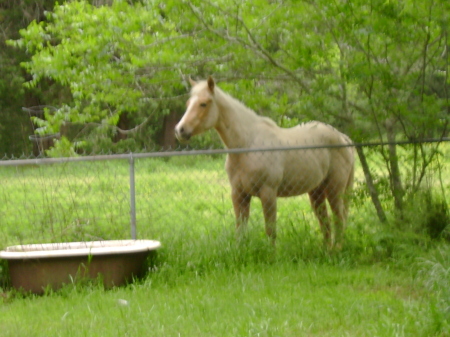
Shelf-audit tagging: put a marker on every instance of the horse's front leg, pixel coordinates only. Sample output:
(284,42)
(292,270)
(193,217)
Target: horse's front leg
(268,196)
(241,205)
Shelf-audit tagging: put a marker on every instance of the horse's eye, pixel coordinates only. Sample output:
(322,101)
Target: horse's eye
(203,105)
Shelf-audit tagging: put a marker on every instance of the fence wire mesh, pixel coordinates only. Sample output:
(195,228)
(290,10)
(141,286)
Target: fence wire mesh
(89,198)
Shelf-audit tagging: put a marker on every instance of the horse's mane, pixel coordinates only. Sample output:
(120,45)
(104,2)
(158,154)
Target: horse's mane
(239,106)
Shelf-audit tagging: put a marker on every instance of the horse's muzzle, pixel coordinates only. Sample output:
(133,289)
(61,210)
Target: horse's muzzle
(181,134)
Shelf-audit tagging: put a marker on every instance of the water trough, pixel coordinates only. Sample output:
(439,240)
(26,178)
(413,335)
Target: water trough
(36,267)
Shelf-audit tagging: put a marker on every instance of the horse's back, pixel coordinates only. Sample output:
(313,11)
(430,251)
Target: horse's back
(317,134)
(313,134)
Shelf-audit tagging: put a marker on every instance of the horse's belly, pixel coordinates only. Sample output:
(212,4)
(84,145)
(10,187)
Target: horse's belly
(286,186)
(295,187)
(291,173)
(303,171)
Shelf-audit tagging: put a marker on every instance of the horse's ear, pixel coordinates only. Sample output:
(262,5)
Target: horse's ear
(191,81)
(211,84)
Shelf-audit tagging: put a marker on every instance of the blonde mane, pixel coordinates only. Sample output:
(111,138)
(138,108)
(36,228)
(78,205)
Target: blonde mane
(237,105)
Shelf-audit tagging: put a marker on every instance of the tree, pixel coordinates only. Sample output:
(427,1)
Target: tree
(114,60)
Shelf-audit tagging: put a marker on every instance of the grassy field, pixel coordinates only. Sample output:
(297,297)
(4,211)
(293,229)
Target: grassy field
(204,282)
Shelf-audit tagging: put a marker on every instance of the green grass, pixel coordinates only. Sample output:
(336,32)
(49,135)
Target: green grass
(205,281)
(277,300)
(245,289)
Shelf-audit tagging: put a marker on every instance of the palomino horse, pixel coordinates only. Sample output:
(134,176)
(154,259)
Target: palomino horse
(324,173)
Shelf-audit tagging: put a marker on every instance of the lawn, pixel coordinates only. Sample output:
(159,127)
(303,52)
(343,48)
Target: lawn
(204,281)
(277,300)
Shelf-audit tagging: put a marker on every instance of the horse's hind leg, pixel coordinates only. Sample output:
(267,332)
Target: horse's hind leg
(338,198)
(241,205)
(337,205)
(317,198)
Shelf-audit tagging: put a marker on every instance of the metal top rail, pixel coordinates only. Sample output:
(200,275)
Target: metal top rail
(176,153)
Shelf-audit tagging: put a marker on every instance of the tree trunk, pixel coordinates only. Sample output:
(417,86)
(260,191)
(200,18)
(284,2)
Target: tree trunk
(167,139)
(370,185)
(395,176)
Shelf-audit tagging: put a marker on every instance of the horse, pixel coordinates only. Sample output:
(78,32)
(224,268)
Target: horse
(325,170)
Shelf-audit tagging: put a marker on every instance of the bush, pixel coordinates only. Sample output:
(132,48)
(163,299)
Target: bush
(435,215)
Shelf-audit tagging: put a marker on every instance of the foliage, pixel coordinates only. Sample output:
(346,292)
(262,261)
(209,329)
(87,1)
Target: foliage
(62,148)
(431,213)
(15,125)
(113,58)
(361,57)
(93,52)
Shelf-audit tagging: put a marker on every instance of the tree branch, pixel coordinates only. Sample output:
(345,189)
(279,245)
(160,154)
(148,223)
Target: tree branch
(168,39)
(253,45)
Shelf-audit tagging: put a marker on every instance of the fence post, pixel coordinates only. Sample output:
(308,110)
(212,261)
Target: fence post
(132,199)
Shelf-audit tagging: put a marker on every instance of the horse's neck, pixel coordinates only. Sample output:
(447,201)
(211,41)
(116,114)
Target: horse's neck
(236,122)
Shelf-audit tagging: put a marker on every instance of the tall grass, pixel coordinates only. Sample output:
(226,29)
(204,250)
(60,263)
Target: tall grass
(181,201)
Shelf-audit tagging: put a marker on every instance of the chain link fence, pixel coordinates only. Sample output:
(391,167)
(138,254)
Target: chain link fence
(142,195)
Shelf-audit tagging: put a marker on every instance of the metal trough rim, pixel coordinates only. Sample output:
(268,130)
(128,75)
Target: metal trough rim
(87,248)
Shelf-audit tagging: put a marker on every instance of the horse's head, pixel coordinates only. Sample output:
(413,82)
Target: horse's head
(201,113)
